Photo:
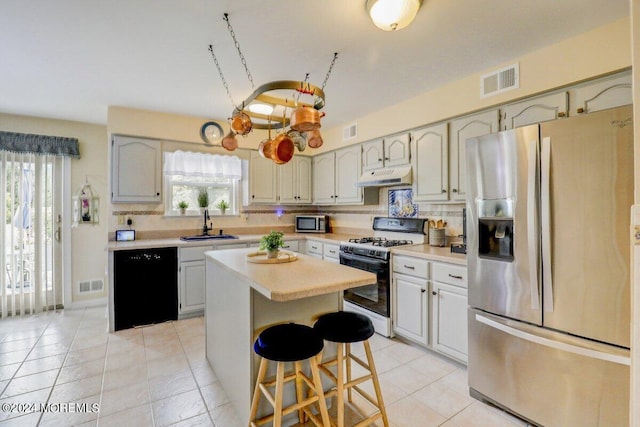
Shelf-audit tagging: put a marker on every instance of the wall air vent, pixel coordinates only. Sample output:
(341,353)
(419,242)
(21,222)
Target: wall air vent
(499,81)
(350,132)
(95,285)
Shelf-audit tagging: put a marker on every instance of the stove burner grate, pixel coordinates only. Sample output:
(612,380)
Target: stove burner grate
(381,241)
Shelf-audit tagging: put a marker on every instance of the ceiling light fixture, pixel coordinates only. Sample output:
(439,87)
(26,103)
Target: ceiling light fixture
(260,108)
(392,15)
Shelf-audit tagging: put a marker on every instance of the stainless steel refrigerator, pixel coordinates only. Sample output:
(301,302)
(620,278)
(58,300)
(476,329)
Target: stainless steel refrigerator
(548,232)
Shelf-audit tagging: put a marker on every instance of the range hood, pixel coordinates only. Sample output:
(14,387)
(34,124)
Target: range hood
(385,176)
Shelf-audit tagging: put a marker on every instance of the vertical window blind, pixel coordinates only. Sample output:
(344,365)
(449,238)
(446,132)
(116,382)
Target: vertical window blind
(29,203)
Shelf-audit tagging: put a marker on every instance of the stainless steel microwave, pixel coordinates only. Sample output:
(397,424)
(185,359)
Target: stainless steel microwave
(312,223)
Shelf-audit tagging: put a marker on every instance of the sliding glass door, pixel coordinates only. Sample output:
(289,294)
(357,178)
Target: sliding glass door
(30,244)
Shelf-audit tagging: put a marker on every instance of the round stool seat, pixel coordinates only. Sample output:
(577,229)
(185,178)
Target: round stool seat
(288,343)
(345,327)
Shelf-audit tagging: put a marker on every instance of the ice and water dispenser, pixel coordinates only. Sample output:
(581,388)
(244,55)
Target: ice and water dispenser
(495,229)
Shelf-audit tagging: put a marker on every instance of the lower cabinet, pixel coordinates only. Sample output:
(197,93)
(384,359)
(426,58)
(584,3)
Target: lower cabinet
(192,280)
(449,325)
(410,308)
(429,304)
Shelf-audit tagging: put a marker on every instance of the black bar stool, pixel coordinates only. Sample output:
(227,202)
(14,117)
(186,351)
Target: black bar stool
(344,328)
(289,343)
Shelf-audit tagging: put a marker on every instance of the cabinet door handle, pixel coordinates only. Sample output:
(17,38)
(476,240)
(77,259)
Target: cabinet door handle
(332,252)
(444,191)
(423,290)
(455,277)
(454,190)
(434,293)
(410,267)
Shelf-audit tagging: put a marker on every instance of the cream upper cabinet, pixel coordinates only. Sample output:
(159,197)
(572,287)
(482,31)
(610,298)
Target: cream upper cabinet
(460,130)
(348,170)
(335,175)
(390,151)
(601,94)
(136,170)
(294,181)
(324,178)
(372,155)
(536,110)
(430,163)
(263,178)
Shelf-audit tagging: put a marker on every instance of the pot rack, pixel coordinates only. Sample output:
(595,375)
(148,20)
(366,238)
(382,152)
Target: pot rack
(273,93)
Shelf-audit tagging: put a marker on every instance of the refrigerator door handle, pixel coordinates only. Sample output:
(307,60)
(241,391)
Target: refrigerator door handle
(545,205)
(558,345)
(532,226)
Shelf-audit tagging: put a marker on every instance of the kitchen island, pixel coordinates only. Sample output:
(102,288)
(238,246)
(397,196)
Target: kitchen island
(243,298)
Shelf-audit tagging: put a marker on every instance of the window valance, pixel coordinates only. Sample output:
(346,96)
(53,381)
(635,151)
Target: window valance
(39,144)
(187,163)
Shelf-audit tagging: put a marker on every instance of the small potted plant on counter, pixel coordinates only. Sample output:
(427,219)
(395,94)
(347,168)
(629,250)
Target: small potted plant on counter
(272,243)
(203,199)
(223,206)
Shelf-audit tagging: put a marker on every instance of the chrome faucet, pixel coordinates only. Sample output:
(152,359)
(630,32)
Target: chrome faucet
(205,228)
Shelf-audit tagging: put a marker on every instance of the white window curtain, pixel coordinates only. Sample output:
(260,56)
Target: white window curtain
(190,164)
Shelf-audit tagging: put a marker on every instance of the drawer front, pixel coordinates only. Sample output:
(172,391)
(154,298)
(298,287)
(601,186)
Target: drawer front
(314,247)
(331,251)
(448,273)
(291,245)
(410,265)
(193,253)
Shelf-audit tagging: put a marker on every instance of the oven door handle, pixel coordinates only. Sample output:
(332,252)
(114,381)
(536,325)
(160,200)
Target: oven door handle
(370,261)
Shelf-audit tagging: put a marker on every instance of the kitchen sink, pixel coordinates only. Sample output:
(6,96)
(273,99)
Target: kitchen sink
(209,237)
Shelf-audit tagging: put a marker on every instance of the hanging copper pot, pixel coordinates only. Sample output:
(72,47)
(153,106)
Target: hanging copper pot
(314,139)
(282,149)
(304,119)
(264,148)
(241,122)
(229,142)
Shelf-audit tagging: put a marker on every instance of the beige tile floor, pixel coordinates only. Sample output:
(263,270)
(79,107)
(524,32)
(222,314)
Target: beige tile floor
(158,376)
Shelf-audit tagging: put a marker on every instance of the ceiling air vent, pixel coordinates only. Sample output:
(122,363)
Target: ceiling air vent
(500,81)
(350,132)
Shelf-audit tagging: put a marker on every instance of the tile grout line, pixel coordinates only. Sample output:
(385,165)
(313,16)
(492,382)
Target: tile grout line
(193,375)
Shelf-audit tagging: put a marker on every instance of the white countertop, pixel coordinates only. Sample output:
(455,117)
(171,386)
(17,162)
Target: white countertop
(333,238)
(306,277)
(425,251)
(434,253)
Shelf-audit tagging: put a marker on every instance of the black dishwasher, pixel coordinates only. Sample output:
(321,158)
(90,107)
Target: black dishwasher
(145,286)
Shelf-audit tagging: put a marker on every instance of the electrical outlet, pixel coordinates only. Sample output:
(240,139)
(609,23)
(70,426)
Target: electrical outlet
(120,219)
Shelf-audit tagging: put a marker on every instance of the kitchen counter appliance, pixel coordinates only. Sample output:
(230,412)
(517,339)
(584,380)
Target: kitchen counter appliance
(312,223)
(145,287)
(549,269)
(373,254)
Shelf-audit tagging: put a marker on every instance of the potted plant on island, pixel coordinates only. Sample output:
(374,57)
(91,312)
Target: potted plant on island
(272,242)
(223,206)
(183,207)
(203,199)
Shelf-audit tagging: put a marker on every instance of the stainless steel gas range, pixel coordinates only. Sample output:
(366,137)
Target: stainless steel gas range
(373,254)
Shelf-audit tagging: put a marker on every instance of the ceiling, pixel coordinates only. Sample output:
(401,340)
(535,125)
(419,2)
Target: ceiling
(71,59)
